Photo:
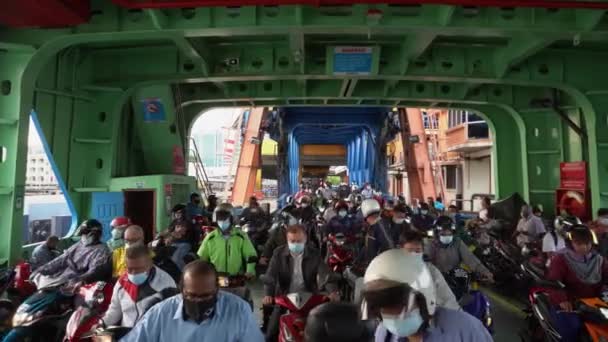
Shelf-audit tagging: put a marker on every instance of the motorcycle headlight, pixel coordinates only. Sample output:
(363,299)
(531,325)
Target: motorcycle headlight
(429,233)
(604,312)
(22,318)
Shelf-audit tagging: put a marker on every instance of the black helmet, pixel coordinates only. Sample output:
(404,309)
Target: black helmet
(336,322)
(90,226)
(444,222)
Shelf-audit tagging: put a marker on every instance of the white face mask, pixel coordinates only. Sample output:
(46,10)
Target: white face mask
(398,220)
(304,205)
(343,213)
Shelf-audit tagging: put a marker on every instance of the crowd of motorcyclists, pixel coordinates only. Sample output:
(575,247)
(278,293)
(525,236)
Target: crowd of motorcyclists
(395,263)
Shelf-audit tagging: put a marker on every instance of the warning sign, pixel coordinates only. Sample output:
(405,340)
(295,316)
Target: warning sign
(154,111)
(353,60)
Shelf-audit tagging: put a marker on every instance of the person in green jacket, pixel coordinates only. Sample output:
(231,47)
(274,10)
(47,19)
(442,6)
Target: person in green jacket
(229,249)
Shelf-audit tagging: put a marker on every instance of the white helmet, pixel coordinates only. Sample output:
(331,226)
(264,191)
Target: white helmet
(396,265)
(370,207)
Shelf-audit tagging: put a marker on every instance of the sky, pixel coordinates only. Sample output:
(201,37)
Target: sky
(216,119)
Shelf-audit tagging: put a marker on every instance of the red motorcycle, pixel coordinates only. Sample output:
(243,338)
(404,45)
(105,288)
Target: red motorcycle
(340,251)
(293,322)
(94,299)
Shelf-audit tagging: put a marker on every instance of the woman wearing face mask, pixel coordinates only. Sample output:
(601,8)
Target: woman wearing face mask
(399,290)
(138,290)
(119,225)
(398,223)
(412,244)
(448,252)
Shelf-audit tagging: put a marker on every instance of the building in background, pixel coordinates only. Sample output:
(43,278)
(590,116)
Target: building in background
(460,149)
(465,157)
(39,177)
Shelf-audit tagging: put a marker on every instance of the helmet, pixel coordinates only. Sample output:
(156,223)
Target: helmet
(223,211)
(444,222)
(304,199)
(582,230)
(566,223)
(90,226)
(289,200)
(341,205)
(336,322)
(397,266)
(370,207)
(120,222)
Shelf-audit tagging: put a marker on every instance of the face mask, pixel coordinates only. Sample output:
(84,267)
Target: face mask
(304,205)
(296,247)
(424,212)
(603,221)
(398,220)
(446,239)
(224,225)
(87,239)
(452,216)
(406,325)
(138,278)
(343,213)
(200,310)
(133,244)
(117,234)
(254,210)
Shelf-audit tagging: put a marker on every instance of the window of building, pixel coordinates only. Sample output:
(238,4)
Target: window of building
(450,173)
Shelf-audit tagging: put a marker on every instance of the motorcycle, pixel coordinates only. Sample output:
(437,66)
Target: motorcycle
(470,299)
(298,306)
(340,251)
(235,284)
(108,334)
(94,299)
(43,315)
(257,235)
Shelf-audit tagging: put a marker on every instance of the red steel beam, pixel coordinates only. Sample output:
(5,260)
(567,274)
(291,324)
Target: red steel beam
(468,3)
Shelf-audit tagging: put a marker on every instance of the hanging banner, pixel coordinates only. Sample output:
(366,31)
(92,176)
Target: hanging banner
(154,111)
(179,164)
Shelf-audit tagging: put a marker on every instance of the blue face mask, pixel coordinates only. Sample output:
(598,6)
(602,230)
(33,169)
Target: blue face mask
(296,247)
(138,278)
(418,256)
(446,239)
(343,213)
(117,234)
(224,225)
(406,325)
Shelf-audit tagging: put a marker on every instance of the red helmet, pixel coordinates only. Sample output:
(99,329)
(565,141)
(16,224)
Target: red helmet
(120,222)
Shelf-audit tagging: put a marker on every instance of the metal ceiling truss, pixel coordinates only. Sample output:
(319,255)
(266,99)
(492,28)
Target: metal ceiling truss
(498,61)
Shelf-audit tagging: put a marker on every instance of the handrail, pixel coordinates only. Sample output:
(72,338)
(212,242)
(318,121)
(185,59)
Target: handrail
(199,168)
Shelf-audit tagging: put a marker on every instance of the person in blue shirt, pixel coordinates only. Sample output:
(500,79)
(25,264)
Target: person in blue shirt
(201,313)
(399,290)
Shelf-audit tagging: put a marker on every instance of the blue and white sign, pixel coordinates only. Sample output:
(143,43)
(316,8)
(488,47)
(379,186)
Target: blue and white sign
(353,60)
(154,111)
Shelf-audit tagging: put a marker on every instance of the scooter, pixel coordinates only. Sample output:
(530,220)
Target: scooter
(340,252)
(470,299)
(298,306)
(94,299)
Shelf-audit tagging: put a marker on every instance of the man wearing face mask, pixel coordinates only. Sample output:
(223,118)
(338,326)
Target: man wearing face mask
(423,221)
(447,252)
(293,268)
(134,235)
(228,248)
(118,224)
(201,313)
(194,208)
(136,291)
(530,228)
(412,244)
(342,222)
(306,212)
(399,290)
(398,222)
(253,214)
(85,262)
